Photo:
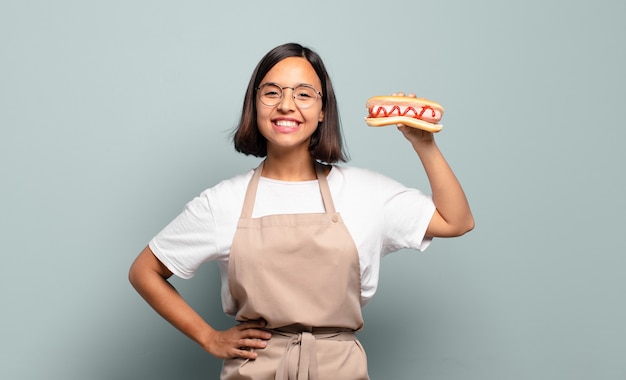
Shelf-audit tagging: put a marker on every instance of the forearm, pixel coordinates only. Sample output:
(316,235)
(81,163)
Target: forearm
(448,195)
(149,277)
(152,285)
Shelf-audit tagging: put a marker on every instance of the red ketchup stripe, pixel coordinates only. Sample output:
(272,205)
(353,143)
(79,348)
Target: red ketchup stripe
(418,115)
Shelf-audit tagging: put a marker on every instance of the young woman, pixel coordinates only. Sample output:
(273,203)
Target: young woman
(299,239)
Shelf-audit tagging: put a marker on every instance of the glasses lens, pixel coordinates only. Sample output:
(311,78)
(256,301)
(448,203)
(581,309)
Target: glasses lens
(304,96)
(270,94)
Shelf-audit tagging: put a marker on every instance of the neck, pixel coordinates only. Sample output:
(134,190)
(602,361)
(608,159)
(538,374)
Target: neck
(288,168)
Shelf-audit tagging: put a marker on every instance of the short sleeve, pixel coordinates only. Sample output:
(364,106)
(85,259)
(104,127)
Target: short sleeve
(188,240)
(204,229)
(407,214)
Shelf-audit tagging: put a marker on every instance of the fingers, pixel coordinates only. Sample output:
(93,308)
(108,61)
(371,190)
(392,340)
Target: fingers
(243,354)
(252,329)
(248,336)
(254,334)
(239,341)
(249,340)
(246,350)
(410,95)
(256,324)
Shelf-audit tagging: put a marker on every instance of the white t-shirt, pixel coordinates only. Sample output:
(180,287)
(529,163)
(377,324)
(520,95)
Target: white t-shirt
(381,215)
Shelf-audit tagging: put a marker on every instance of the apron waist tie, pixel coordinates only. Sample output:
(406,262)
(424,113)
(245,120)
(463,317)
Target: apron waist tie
(299,361)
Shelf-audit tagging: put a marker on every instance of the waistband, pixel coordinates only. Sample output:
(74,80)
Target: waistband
(299,360)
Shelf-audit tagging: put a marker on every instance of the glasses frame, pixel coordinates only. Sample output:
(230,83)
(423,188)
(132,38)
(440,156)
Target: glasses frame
(318,94)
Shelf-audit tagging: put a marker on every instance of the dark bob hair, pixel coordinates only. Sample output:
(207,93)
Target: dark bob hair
(326,142)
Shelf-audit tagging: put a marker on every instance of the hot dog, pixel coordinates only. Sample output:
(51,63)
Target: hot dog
(414,112)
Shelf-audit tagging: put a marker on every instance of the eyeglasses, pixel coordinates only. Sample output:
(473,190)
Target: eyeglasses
(304,95)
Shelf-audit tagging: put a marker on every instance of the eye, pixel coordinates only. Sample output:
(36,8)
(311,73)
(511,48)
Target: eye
(271,94)
(270,91)
(305,93)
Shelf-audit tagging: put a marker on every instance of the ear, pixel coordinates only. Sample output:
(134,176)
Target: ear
(321,118)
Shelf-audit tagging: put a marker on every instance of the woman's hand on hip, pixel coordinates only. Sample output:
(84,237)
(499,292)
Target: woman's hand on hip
(239,341)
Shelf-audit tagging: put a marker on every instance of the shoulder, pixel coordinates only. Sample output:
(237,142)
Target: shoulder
(237,182)
(225,194)
(228,187)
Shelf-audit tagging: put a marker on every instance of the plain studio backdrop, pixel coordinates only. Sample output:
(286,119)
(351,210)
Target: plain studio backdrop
(115,114)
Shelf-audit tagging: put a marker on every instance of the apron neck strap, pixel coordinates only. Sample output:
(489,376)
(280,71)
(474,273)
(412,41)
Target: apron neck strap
(324,188)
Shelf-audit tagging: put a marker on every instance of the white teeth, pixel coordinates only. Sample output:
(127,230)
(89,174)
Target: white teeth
(286,123)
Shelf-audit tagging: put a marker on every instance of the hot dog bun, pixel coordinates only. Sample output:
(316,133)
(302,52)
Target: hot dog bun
(414,112)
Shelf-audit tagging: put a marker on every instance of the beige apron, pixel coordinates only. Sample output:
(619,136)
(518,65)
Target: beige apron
(300,273)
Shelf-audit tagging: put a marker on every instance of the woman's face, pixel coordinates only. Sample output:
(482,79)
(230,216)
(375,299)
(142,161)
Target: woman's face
(285,126)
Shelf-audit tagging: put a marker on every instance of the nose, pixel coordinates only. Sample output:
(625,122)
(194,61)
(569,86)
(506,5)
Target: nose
(287,103)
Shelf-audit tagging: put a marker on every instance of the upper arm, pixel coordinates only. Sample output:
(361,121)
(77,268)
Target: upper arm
(147,263)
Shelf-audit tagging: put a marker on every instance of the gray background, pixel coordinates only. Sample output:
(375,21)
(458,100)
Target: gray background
(114,114)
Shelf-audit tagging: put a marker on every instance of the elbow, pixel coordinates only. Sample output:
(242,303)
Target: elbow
(133,277)
(145,269)
(439,227)
(463,228)
(467,226)
(470,226)
(137,272)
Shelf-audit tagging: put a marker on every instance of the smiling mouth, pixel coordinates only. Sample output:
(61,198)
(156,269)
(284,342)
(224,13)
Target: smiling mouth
(286,123)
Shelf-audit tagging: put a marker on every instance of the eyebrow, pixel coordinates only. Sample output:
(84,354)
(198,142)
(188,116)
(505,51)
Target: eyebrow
(281,86)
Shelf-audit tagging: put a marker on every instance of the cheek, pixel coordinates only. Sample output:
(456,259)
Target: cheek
(262,113)
(319,115)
